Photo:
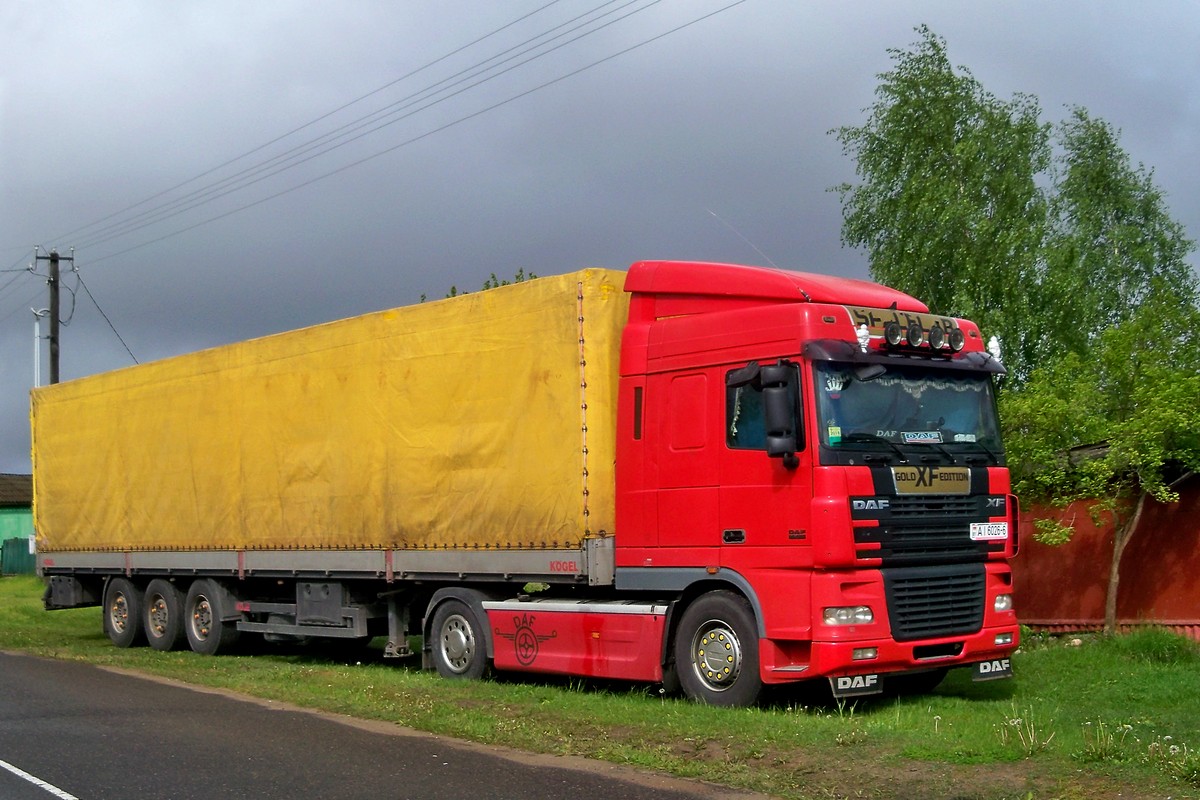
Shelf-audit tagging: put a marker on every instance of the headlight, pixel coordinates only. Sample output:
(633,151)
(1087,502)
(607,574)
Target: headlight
(1003,602)
(849,615)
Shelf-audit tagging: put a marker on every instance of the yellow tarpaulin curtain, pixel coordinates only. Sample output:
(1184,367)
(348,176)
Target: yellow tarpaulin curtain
(457,423)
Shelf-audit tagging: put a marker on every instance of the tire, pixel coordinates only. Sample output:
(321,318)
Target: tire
(457,643)
(123,613)
(206,633)
(163,615)
(716,651)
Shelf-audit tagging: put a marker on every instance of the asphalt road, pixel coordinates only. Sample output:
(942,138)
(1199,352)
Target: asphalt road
(79,731)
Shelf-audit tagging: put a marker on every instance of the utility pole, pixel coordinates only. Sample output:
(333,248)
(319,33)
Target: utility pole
(54,258)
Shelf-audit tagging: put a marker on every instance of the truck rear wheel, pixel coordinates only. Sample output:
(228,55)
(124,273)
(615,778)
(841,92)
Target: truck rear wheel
(164,615)
(716,651)
(458,644)
(206,633)
(123,612)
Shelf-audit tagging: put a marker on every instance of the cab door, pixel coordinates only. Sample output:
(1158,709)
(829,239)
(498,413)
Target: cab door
(764,502)
(688,465)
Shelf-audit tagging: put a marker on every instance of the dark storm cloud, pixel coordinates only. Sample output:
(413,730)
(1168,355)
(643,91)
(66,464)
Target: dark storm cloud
(711,143)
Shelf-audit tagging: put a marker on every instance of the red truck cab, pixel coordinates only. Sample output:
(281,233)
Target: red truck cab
(814,463)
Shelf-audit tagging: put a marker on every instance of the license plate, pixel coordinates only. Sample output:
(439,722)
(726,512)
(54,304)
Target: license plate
(988,531)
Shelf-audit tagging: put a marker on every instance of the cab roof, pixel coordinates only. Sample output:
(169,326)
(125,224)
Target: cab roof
(700,278)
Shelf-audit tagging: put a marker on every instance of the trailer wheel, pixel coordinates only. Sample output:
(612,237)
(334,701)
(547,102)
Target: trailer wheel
(123,612)
(206,633)
(716,651)
(163,615)
(458,645)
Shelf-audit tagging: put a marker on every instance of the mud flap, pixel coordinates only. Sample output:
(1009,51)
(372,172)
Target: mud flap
(992,670)
(856,685)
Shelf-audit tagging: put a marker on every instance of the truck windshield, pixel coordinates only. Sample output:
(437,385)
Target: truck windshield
(906,405)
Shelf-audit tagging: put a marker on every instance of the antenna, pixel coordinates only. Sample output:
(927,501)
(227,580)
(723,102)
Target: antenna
(743,238)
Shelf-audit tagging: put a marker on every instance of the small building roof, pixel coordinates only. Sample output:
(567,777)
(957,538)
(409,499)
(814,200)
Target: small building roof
(16,490)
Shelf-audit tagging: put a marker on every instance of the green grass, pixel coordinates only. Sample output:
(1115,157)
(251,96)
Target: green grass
(1103,717)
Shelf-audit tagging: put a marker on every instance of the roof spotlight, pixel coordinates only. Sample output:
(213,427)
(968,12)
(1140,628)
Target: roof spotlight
(892,333)
(958,339)
(937,337)
(915,334)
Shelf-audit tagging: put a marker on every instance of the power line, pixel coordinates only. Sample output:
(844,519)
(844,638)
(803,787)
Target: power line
(310,123)
(296,156)
(106,319)
(477,70)
(421,136)
(21,306)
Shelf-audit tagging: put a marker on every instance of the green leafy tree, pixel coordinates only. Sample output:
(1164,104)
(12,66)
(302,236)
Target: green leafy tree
(948,207)
(1118,428)
(962,203)
(1111,240)
(1067,253)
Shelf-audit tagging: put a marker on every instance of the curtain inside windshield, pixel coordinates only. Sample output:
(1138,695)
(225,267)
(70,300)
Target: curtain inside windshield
(905,405)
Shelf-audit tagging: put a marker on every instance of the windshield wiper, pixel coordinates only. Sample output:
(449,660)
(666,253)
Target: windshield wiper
(941,450)
(995,457)
(871,438)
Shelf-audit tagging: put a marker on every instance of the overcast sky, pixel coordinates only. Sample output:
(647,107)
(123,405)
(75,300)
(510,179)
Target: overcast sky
(662,135)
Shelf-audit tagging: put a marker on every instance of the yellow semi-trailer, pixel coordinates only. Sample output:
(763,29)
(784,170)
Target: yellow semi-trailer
(453,425)
(720,476)
(469,439)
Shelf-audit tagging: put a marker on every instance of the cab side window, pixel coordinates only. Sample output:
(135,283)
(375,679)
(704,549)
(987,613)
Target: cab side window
(745,424)
(745,428)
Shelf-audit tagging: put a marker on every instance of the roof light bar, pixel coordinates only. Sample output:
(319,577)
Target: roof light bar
(893,334)
(915,335)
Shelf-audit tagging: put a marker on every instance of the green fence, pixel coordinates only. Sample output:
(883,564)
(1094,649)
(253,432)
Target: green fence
(16,529)
(16,558)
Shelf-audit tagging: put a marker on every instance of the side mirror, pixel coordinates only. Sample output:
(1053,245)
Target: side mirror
(779,412)
(746,376)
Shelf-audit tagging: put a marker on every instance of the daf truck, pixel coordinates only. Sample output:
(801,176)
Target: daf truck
(716,477)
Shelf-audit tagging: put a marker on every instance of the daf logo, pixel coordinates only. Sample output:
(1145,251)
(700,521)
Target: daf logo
(996,665)
(874,504)
(857,682)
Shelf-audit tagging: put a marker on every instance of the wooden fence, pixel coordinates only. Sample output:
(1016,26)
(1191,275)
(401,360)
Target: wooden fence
(1062,588)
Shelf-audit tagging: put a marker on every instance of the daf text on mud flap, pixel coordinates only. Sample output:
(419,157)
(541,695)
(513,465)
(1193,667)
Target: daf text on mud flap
(855,685)
(993,669)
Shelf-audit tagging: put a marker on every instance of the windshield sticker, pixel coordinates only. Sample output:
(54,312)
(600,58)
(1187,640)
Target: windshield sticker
(922,437)
(835,382)
(835,434)
(964,437)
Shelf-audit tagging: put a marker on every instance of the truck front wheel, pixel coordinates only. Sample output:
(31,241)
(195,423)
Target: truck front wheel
(164,615)
(206,633)
(123,612)
(458,645)
(716,651)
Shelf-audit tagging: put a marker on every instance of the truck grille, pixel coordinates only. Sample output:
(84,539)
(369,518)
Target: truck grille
(931,529)
(929,602)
